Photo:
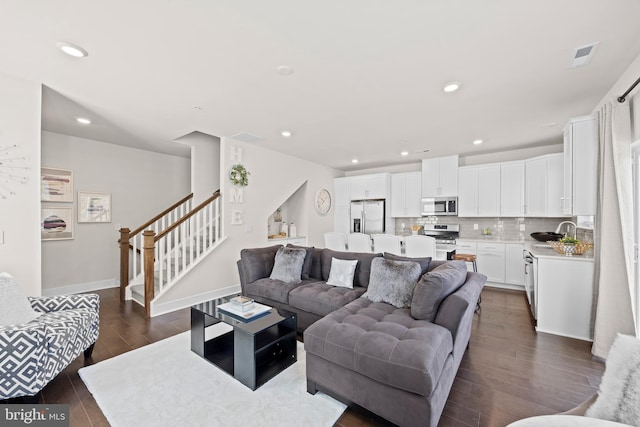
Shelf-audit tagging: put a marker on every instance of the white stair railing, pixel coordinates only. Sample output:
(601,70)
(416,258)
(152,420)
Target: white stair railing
(179,247)
(131,266)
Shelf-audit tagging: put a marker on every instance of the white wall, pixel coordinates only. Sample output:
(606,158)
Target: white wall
(274,178)
(141,183)
(20,105)
(475,159)
(205,164)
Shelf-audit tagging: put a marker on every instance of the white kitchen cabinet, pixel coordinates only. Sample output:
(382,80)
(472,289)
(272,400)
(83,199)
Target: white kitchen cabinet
(376,186)
(491,261)
(342,204)
(543,186)
(555,175)
(468,191)
(580,157)
(564,296)
(342,191)
(479,191)
(406,192)
(514,264)
(512,189)
(489,190)
(536,187)
(440,176)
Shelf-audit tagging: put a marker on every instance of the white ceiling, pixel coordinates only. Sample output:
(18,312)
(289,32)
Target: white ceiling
(366,81)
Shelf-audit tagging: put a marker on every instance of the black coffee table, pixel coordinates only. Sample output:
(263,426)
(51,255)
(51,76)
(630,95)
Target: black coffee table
(254,351)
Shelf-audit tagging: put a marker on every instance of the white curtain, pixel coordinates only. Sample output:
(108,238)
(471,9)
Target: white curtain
(614,272)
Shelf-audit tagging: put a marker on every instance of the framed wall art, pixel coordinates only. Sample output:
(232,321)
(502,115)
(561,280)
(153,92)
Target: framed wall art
(94,207)
(56,185)
(56,223)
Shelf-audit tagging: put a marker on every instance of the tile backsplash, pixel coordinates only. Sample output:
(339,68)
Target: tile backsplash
(503,228)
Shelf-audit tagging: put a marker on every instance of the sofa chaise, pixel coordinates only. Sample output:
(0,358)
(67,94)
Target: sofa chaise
(397,359)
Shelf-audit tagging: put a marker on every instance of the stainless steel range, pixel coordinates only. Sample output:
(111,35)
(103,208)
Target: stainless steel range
(445,235)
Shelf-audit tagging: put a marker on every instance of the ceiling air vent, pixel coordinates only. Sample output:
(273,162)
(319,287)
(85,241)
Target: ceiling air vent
(246,137)
(580,56)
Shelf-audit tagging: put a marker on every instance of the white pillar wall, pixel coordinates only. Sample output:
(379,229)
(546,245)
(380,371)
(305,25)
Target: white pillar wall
(205,164)
(20,106)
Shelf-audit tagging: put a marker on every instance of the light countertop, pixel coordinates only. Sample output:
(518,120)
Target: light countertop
(542,250)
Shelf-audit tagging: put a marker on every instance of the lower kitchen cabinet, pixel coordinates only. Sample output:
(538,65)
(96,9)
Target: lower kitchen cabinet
(514,264)
(502,263)
(564,296)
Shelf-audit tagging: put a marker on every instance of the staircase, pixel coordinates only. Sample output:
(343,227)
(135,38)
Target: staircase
(158,254)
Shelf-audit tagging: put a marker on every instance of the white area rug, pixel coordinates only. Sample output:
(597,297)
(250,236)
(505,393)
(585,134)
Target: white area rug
(166,384)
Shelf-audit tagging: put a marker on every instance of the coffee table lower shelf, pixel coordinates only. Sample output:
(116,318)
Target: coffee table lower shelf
(252,356)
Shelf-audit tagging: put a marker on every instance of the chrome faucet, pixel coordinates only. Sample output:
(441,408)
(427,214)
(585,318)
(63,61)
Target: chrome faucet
(567,222)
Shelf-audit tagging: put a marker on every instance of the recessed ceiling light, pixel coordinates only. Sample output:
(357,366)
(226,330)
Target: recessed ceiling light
(83,120)
(354,161)
(477,141)
(404,153)
(451,86)
(285,133)
(284,70)
(72,49)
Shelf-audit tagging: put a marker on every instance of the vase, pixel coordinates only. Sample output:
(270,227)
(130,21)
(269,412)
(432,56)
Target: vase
(569,250)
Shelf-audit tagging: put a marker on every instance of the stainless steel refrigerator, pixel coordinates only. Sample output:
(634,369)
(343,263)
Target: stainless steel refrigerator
(367,216)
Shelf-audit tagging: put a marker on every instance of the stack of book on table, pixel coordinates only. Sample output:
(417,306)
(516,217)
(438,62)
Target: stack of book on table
(244,308)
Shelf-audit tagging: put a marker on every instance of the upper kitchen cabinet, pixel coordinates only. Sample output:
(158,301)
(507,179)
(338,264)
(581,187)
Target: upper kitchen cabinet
(580,153)
(512,189)
(376,186)
(406,192)
(543,191)
(342,191)
(479,191)
(440,176)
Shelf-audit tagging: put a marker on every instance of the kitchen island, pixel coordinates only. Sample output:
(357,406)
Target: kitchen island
(560,289)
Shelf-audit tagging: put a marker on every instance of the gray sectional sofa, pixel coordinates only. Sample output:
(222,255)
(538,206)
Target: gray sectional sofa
(398,362)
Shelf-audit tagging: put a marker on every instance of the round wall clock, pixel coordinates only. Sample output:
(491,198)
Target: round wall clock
(322,201)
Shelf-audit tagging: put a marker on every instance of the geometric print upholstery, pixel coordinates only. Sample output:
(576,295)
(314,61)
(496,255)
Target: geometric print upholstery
(32,354)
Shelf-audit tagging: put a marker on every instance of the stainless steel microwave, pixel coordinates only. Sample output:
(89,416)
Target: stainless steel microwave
(439,206)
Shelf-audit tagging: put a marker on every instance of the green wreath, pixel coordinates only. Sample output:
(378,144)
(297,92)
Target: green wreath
(239,175)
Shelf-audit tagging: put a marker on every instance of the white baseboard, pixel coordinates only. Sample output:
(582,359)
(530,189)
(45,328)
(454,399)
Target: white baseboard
(81,287)
(504,286)
(168,307)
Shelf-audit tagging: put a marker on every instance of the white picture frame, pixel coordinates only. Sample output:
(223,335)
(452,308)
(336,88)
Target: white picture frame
(56,185)
(56,223)
(94,207)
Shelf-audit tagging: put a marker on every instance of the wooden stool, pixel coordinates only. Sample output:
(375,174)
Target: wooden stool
(472,259)
(467,258)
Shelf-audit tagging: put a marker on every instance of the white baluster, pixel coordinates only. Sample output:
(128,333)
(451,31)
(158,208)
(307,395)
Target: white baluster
(176,252)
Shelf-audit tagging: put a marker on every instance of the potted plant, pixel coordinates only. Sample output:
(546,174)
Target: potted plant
(569,244)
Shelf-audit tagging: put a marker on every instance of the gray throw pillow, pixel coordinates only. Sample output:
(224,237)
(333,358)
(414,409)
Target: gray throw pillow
(392,281)
(308,260)
(424,262)
(287,265)
(14,306)
(619,394)
(434,287)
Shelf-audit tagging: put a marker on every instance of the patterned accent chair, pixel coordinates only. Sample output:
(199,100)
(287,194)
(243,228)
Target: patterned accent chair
(33,353)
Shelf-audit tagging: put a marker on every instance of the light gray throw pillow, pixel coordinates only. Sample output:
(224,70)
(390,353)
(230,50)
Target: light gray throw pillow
(392,281)
(287,265)
(434,287)
(619,394)
(342,272)
(14,306)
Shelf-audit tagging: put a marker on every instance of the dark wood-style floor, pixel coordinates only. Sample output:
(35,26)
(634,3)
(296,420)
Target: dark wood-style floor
(509,372)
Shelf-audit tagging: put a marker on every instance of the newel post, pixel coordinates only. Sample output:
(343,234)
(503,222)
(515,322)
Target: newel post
(149,279)
(124,262)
